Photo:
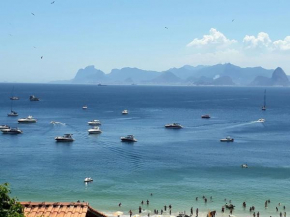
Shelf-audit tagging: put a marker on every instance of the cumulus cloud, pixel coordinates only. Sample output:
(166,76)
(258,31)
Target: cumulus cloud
(283,45)
(261,41)
(215,39)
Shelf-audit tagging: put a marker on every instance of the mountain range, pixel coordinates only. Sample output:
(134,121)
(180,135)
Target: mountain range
(220,74)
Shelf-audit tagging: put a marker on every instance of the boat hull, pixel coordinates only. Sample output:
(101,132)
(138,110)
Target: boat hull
(172,127)
(128,140)
(227,140)
(11,132)
(95,132)
(64,140)
(26,122)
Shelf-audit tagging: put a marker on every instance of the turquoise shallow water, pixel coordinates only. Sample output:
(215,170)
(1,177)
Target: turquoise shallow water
(175,165)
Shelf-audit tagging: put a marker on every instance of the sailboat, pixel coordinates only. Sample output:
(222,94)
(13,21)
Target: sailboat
(264,106)
(12,113)
(13,97)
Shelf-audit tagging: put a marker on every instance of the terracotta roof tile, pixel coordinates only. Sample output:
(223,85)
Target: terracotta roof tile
(59,209)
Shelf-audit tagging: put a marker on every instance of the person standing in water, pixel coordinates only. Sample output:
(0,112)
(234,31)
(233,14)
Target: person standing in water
(196,212)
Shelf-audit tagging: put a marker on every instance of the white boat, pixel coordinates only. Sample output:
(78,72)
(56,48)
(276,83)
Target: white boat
(95,130)
(29,119)
(261,120)
(12,114)
(94,122)
(129,138)
(88,179)
(14,98)
(244,165)
(125,112)
(12,131)
(85,107)
(33,98)
(173,126)
(4,127)
(228,139)
(64,138)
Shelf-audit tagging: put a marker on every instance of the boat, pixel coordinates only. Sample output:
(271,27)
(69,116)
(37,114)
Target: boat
(244,165)
(64,138)
(11,131)
(228,139)
(14,98)
(125,112)
(264,106)
(129,138)
(173,126)
(205,116)
(88,179)
(4,127)
(94,122)
(261,120)
(29,119)
(95,130)
(33,98)
(12,114)
(85,107)
(229,206)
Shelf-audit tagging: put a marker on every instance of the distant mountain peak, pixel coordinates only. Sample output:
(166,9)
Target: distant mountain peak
(279,78)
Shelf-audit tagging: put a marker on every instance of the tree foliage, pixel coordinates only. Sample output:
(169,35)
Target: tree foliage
(9,207)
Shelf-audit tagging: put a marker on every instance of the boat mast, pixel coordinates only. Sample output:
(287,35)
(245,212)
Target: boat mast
(265,98)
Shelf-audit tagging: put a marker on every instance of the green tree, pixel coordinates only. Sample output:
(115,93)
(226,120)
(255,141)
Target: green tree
(9,207)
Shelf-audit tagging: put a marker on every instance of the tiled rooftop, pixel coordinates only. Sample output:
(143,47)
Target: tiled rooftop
(59,209)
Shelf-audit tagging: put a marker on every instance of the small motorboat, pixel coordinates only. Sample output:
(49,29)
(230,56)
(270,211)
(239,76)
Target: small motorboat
(228,139)
(95,130)
(4,127)
(125,112)
(88,179)
(14,98)
(129,138)
(244,165)
(205,116)
(94,122)
(229,206)
(33,98)
(64,138)
(85,107)
(173,126)
(29,119)
(12,114)
(261,120)
(12,131)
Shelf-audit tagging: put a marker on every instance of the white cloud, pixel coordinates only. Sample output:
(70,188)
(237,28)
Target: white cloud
(215,39)
(259,50)
(282,45)
(261,41)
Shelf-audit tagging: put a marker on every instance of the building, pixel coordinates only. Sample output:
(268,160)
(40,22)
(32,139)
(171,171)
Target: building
(59,209)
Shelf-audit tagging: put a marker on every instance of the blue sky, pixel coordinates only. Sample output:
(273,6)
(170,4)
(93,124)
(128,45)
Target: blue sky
(71,34)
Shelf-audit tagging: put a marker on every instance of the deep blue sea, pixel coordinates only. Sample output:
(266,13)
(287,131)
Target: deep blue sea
(176,166)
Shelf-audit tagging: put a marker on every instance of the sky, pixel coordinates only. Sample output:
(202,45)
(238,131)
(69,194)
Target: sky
(72,34)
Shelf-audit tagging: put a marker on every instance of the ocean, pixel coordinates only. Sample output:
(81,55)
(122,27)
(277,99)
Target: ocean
(176,166)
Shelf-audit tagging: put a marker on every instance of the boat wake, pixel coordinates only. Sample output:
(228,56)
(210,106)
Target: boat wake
(57,123)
